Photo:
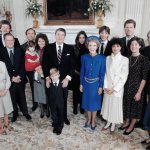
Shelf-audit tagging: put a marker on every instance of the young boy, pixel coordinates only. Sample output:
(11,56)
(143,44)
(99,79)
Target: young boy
(56,101)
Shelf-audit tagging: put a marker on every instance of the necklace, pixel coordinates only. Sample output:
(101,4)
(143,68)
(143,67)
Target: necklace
(131,65)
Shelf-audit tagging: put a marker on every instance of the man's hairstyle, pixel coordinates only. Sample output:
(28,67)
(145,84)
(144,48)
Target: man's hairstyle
(53,71)
(8,34)
(30,29)
(130,21)
(5,22)
(60,29)
(106,28)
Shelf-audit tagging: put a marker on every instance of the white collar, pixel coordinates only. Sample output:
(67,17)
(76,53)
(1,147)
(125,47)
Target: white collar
(56,82)
(105,42)
(57,46)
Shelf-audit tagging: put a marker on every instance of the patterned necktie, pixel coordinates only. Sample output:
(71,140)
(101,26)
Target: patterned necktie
(11,56)
(102,48)
(59,54)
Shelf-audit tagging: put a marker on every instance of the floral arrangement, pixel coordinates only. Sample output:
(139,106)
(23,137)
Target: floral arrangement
(33,7)
(104,5)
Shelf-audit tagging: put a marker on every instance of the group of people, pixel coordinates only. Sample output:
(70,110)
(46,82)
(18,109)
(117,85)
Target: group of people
(108,78)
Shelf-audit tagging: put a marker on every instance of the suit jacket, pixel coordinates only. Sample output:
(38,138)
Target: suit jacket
(146,52)
(17,44)
(56,96)
(24,46)
(50,60)
(117,68)
(17,68)
(108,50)
(126,51)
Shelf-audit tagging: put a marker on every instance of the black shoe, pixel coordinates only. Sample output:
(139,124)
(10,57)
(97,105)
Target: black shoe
(67,122)
(144,142)
(28,117)
(42,113)
(58,132)
(75,111)
(34,107)
(81,111)
(127,133)
(123,128)
(54,130)
(14,118)
(47,112)
(148,147)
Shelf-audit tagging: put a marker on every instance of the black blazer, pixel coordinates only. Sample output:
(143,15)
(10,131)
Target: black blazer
(66,66)
(17,44)
(126,51)
(24,46)
(108,49)
(17,68)
(146,52)
(56,98)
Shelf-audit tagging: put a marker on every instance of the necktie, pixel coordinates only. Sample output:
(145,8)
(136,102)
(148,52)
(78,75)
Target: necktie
(59,54)
(102,48)
(11,56)
(55,84)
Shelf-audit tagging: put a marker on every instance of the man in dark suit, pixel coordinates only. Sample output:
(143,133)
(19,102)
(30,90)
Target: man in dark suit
(129,28)
(14,60)
(30,34)
(104,48)
(5,27)
(59,55)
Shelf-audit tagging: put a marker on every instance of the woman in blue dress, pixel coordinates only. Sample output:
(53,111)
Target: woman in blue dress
(91,80)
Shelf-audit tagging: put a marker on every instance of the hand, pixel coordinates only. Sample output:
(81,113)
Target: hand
(65,82)
(106,90)
(137,96)
(81,88)
(109,91)
(3,92)
(48,81)
(100,90)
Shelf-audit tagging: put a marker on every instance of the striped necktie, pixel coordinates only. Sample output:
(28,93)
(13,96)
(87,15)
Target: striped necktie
(59,54)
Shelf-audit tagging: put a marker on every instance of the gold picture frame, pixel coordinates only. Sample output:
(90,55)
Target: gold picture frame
(60,12)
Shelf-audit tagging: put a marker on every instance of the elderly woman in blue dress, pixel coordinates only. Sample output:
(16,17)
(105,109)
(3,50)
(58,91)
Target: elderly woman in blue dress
(91,80)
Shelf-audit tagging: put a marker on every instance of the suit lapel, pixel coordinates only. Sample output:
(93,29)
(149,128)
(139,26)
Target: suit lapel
(63,53)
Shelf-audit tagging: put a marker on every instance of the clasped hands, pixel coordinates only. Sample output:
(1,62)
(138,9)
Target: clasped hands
(109,91)
(16,79)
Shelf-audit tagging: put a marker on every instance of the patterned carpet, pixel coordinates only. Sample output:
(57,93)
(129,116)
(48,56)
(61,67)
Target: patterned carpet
(37,134)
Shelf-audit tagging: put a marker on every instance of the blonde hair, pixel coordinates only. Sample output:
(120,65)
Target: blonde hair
(53,71)
(92,39)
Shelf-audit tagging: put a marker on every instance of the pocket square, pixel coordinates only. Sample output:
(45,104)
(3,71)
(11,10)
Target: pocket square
(67,54)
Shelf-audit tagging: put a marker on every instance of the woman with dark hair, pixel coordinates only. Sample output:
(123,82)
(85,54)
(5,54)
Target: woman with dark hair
(117,68)
(39,87)
(79,50)
(134,87)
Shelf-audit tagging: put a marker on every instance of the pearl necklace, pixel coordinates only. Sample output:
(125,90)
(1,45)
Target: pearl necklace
(134,62)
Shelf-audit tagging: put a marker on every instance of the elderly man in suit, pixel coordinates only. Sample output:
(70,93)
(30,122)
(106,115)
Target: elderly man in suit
(59,55)
(129,28)
(14,60)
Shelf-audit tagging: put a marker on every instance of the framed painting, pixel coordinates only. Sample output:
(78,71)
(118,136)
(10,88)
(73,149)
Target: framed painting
(67,12)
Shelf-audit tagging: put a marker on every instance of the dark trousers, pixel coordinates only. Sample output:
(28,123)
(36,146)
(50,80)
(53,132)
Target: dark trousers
(65,95)
(18,98)
(77,95)
(30,75)
(57,116)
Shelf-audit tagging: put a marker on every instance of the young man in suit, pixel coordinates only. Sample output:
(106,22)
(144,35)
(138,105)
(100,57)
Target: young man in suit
(129,28)
(59,55)
(104,48)
(5,27)
(14,60)
(30,34)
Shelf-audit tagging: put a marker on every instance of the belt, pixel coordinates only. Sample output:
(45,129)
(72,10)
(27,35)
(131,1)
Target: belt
(91,80)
